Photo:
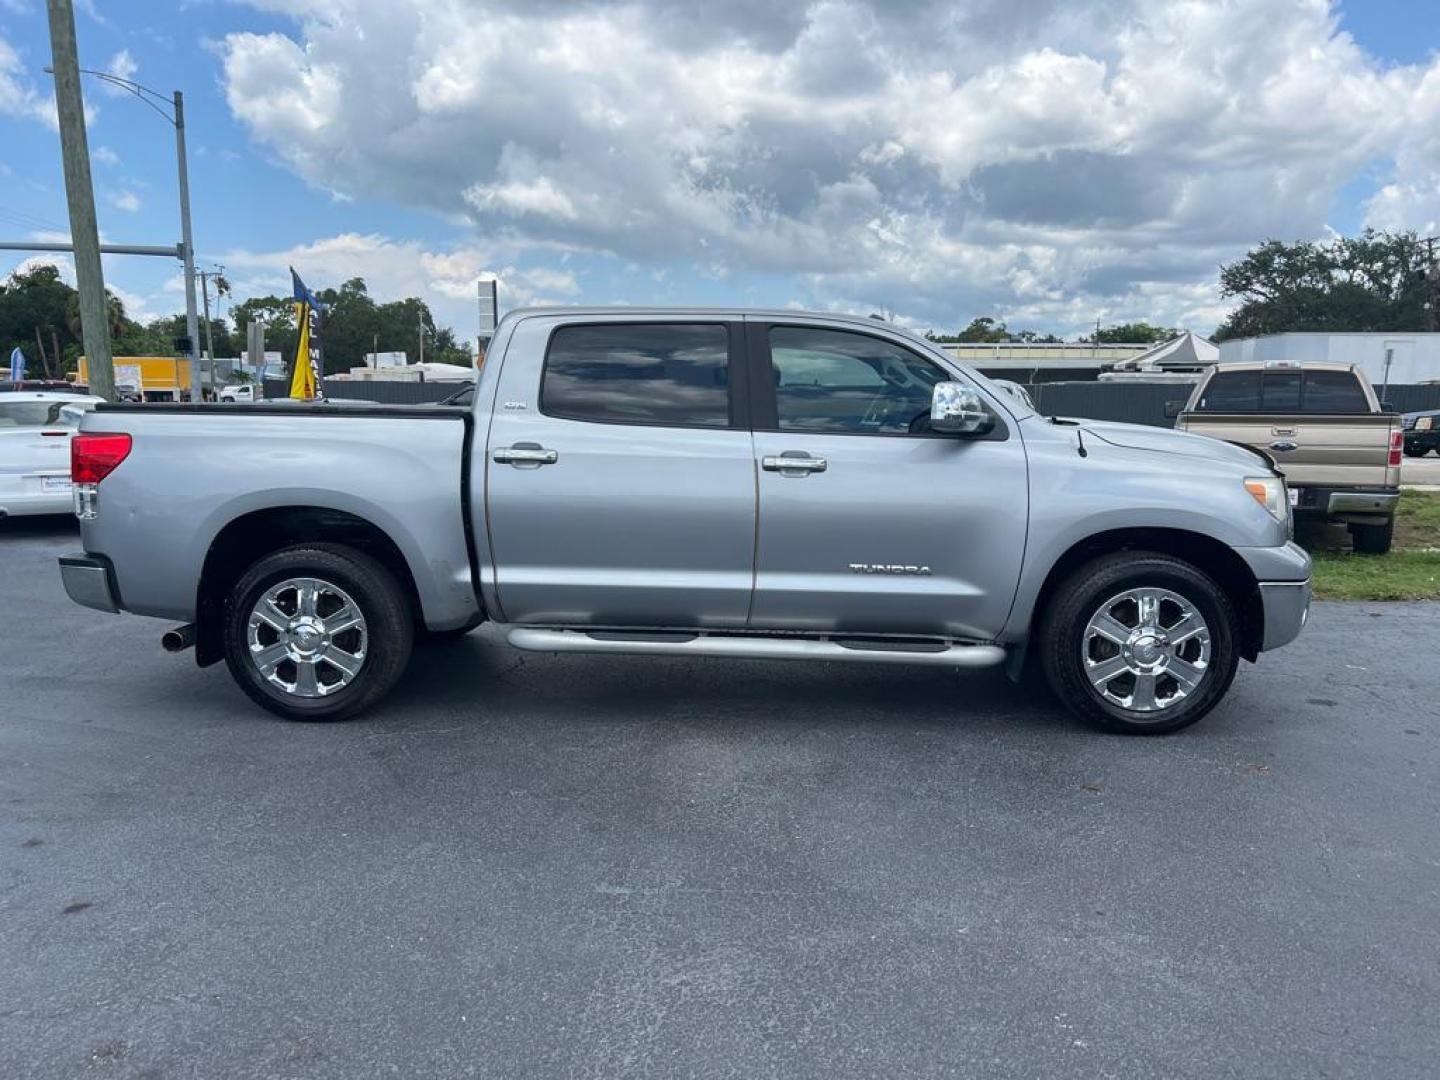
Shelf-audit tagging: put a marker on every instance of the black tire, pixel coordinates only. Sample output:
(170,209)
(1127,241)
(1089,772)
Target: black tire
(389,629)
(1062,641)
(1372,539)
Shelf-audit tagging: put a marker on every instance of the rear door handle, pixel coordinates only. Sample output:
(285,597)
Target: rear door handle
(793,463)
(525,454)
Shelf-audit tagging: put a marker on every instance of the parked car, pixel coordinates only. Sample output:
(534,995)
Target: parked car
(1327,433)
(35,432)
(694,483)
(241,392)
(1422,432)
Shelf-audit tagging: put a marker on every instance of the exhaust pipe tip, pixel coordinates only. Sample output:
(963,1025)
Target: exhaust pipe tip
(178,639)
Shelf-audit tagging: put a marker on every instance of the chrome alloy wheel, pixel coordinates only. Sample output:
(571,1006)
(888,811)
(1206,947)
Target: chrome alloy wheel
(1146,649)
(307,637)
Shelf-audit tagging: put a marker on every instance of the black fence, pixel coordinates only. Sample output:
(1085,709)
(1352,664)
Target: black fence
(1133,403)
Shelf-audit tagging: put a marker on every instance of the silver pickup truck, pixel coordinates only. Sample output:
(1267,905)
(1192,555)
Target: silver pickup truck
(693,483)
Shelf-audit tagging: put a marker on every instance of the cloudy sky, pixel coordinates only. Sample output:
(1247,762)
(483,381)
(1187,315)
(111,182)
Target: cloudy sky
(1044,161)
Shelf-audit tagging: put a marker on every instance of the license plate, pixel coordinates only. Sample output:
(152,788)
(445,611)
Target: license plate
(1294,496)
(55,484)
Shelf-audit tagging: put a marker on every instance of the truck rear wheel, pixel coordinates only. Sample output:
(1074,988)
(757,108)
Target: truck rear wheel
(317,632)
(1139,643)
(1372,539)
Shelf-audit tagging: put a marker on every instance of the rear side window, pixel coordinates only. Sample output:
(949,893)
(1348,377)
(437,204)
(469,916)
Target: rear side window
(1232,391)
(670,374)
(1334,392)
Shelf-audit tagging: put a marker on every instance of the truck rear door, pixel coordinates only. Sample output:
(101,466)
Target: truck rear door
(620,480)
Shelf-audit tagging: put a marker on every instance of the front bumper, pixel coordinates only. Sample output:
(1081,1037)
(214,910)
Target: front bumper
(89,580)
(1287,607)
(1284,577)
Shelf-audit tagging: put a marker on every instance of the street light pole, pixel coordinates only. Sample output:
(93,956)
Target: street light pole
(188,245)
(80,195)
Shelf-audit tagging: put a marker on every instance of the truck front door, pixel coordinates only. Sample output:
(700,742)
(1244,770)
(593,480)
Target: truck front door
(869,522)
(620,482)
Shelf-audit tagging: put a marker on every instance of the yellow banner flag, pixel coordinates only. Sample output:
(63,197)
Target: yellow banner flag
(302,383)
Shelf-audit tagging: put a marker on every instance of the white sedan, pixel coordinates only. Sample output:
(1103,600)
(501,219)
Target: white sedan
(35,432)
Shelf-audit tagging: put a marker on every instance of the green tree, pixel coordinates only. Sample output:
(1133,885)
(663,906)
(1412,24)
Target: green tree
(1128,333)
(1372,282)
(37,300)
(986,329)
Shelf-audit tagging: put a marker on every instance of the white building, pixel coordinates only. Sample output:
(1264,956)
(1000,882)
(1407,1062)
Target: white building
(1411,358)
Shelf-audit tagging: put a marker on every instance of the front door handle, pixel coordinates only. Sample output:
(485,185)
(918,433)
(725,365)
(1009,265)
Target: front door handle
(793,463)
(525,454)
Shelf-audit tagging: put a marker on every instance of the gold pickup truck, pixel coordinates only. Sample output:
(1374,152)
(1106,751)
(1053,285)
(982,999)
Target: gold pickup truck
(1322,425)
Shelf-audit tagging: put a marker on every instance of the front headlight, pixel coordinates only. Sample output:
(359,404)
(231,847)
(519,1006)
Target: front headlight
(1269,492)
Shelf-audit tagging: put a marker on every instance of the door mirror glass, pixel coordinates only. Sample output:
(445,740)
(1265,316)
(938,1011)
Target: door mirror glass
(956,409)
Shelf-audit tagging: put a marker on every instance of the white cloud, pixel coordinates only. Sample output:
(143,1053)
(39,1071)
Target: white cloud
(105,156)
(1053,160)
(18,97)
(123,66)
(127,201)
(395,269)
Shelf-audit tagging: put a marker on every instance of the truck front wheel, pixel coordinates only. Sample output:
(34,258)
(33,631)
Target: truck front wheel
(1139,643)
(317,632)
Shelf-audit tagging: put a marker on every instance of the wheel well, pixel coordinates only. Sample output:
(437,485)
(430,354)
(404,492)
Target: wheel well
(247,539)
(1216,559)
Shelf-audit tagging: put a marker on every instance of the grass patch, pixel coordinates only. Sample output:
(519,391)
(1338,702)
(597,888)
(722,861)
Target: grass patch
(1400,575)
(1411,571)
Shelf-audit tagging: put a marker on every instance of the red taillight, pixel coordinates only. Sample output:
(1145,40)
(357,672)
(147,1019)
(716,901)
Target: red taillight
(1397,441)
(94,455)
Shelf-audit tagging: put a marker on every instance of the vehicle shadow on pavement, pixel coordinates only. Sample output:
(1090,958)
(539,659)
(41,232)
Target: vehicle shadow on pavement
(498,680)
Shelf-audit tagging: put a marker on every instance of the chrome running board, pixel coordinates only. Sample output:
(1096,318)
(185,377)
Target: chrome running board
(756,647)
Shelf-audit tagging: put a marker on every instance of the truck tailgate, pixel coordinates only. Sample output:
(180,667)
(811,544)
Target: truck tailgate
(1349,450)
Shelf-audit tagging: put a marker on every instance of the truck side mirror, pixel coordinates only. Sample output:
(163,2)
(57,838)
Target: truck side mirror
(956,409)
(1173,409)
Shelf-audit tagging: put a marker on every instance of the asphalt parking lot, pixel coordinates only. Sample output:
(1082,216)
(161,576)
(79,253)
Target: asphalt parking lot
(600,867)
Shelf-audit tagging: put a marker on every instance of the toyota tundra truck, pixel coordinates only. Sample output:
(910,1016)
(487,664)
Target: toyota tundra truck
(696,483)
(1337,447)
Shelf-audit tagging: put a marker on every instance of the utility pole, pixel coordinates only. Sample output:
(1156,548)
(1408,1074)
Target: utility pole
(209,330)
(80,196)
(187,245)
(421,319)
(1434,275)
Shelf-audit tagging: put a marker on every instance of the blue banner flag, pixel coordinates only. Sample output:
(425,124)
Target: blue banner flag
(17,364)
(304,295)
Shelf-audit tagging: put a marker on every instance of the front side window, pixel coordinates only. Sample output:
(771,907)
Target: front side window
(670,374)
(847,383)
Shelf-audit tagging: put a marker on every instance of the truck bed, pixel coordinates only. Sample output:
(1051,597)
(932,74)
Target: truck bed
(198,469)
